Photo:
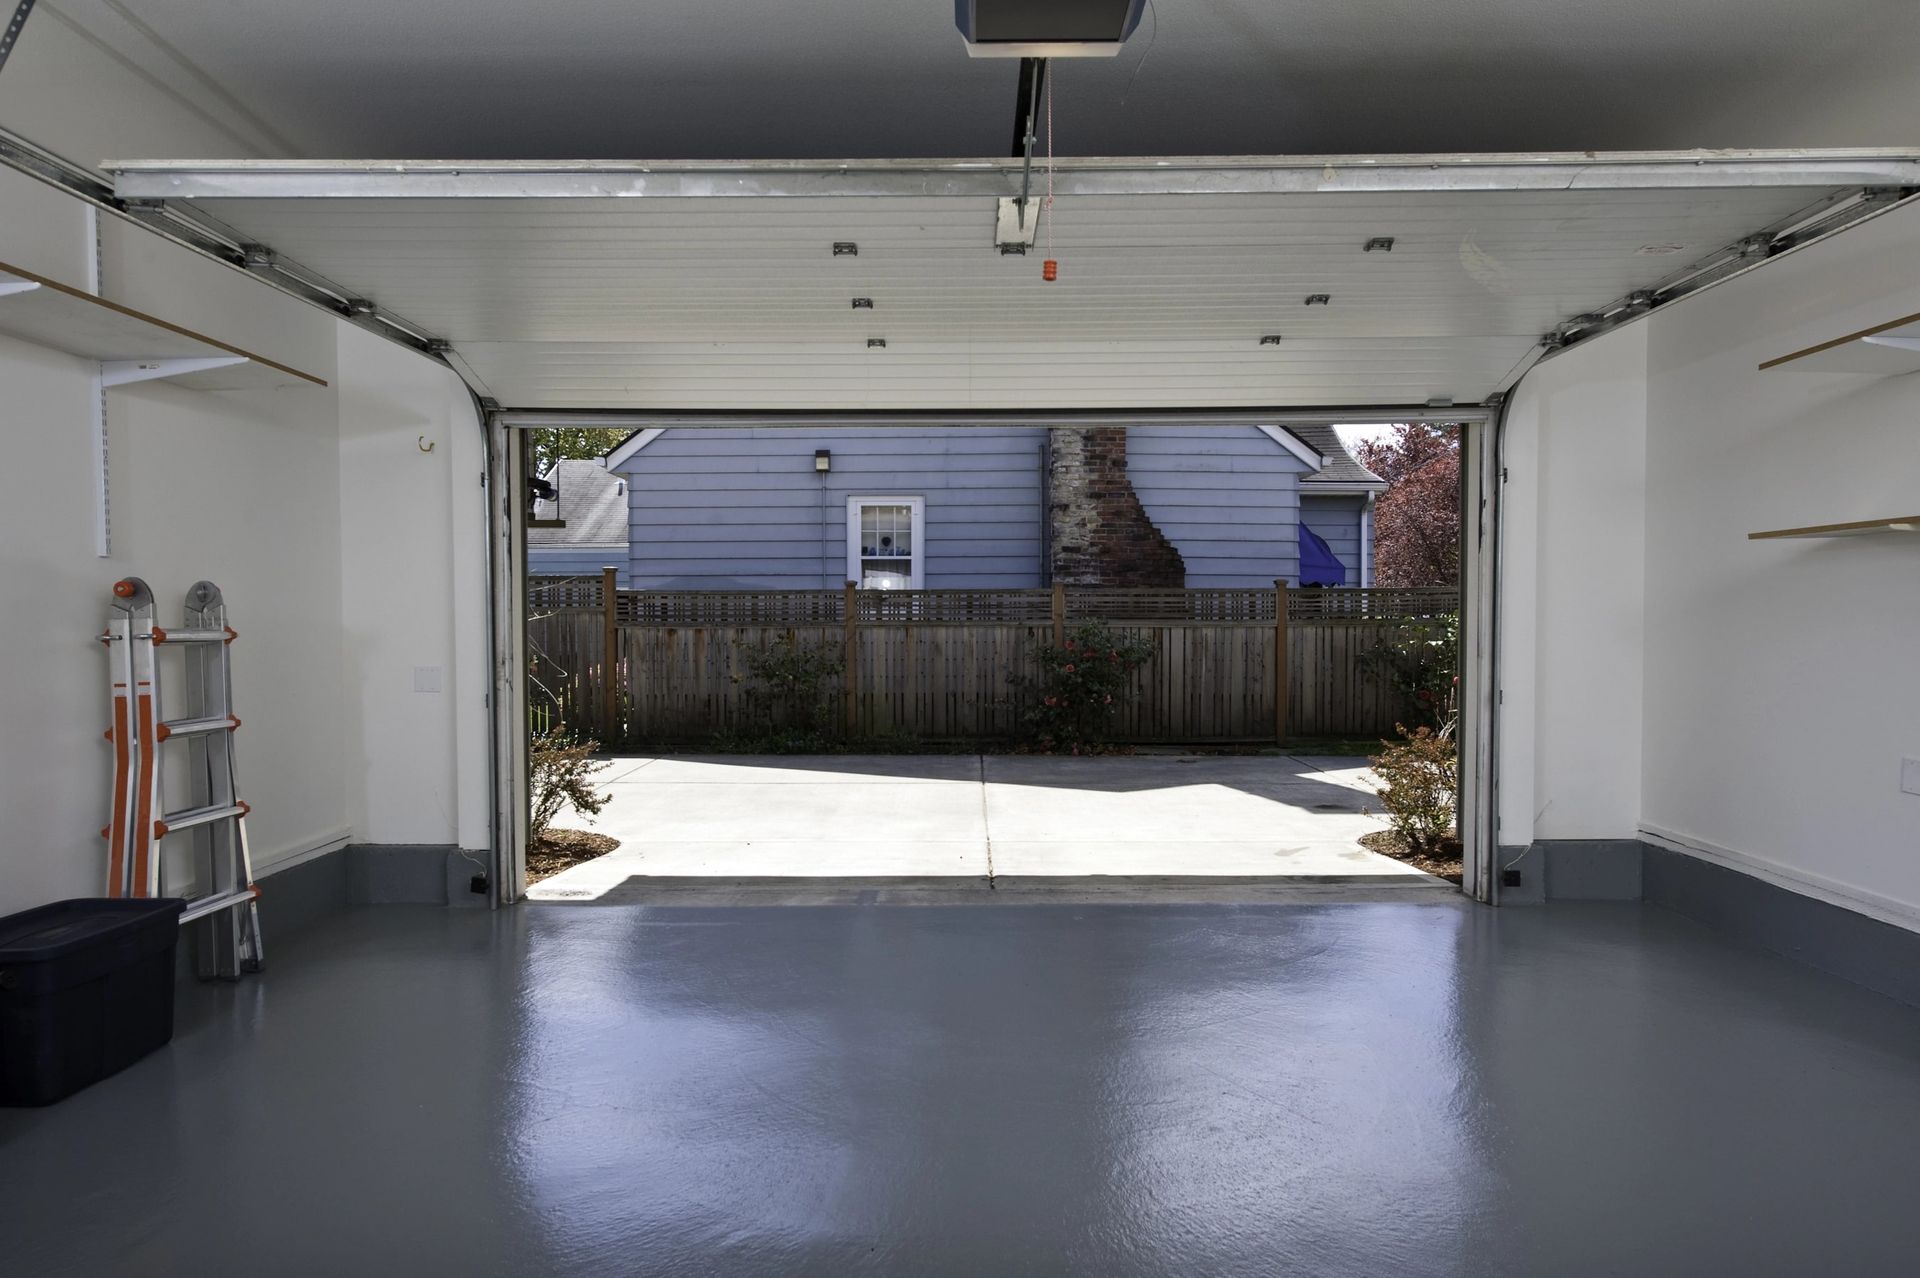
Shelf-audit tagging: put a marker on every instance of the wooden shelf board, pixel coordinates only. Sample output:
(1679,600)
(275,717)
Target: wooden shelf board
(1860,528)
(48,313)
(1885,350)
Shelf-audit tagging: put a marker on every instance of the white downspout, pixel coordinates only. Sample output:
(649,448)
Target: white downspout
(1366,543)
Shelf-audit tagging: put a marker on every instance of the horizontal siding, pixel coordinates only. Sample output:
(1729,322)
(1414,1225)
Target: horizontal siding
(1227,497)
(745,509)
(1337,520)
(572,561)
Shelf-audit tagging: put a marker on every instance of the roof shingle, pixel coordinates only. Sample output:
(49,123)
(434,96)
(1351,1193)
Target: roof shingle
(592,501)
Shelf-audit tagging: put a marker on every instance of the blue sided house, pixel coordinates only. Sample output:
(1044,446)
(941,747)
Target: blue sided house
(983,507)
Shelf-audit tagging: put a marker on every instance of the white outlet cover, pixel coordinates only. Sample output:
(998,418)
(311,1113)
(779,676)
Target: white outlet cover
(1910,776)
(426,678)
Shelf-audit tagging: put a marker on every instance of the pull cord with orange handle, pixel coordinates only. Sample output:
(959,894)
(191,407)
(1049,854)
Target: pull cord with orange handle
(1049,269)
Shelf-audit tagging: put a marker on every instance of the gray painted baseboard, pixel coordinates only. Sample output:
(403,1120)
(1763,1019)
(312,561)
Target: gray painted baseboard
(368,874)
(415,874)
(294,899)
(302,896)
(1573,870)
(1880,956)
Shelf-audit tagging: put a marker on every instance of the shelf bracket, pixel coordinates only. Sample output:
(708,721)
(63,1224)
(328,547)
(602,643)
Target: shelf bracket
(125,372)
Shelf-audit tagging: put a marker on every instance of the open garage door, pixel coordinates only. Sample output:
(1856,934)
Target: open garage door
(1385,288)
(1182,283)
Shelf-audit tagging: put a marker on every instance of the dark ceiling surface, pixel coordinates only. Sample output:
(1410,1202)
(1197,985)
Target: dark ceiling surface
(741,79)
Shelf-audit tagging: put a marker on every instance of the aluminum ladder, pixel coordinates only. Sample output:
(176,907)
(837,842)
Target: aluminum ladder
(226,916)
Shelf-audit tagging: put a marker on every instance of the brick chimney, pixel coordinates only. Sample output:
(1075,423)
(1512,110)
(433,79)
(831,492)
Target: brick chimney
(1100,533)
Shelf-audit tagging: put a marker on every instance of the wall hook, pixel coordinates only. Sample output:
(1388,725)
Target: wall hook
(425,447)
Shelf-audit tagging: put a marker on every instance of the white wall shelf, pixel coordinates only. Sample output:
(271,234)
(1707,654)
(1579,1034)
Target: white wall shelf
(1860,528)
(130,345)
(1885,350)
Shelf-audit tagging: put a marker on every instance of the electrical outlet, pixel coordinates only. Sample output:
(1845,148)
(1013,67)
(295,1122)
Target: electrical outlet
(426,678)
(1910,776)
(478,885)
(1509,878)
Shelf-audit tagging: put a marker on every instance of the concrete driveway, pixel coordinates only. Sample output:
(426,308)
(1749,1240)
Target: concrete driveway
(1000,821)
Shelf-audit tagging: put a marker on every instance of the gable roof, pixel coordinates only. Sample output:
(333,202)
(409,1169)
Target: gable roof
(1341,466)
(620,453)
(1338,467)
(591,500)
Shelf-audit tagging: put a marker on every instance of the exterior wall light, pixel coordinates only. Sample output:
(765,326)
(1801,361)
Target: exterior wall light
(822,460)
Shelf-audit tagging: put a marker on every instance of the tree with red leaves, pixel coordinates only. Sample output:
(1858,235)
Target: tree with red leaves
(1416,522)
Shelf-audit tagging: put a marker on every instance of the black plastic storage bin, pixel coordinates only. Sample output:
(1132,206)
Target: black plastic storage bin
(86,989)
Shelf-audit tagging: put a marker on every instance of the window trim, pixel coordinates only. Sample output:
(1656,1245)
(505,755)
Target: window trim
(917,574)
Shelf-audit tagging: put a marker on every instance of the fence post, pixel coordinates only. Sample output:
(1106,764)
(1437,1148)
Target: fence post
(610,663)
(850,654)
(1059,613)
(1280,694)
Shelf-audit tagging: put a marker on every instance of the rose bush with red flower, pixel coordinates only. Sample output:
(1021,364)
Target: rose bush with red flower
(1069,704)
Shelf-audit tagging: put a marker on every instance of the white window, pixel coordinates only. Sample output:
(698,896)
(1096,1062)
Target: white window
(884,536)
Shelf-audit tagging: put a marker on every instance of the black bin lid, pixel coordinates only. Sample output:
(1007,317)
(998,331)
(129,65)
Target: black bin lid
(55,931)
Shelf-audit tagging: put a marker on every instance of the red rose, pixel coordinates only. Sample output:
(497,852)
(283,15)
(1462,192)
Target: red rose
(1069,669)
(1069,645)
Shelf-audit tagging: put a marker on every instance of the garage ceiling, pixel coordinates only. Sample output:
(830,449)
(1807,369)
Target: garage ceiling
(614,286)
(877,78)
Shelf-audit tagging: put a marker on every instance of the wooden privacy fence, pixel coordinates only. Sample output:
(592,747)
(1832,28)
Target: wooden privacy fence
(939,664)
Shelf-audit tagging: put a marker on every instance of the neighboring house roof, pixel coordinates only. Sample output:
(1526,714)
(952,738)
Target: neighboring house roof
(592,501)
(620,453)
(1341,468)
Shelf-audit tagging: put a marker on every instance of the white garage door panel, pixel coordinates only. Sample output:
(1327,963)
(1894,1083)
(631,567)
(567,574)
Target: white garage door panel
(736,300)
(997,375)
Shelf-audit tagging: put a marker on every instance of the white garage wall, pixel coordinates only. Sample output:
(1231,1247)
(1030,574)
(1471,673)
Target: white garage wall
(346,554)
(412,548)
(1573,582)
(1780,684)
(67,91)
(1748,703)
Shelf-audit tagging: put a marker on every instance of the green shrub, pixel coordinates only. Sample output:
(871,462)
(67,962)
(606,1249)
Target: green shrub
(1422,662)
(563,768)
(1419,778)
(790,691)
(1070,705)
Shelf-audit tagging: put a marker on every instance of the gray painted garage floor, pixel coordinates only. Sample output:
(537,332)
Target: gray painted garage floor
(986,1090)
(974,819)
